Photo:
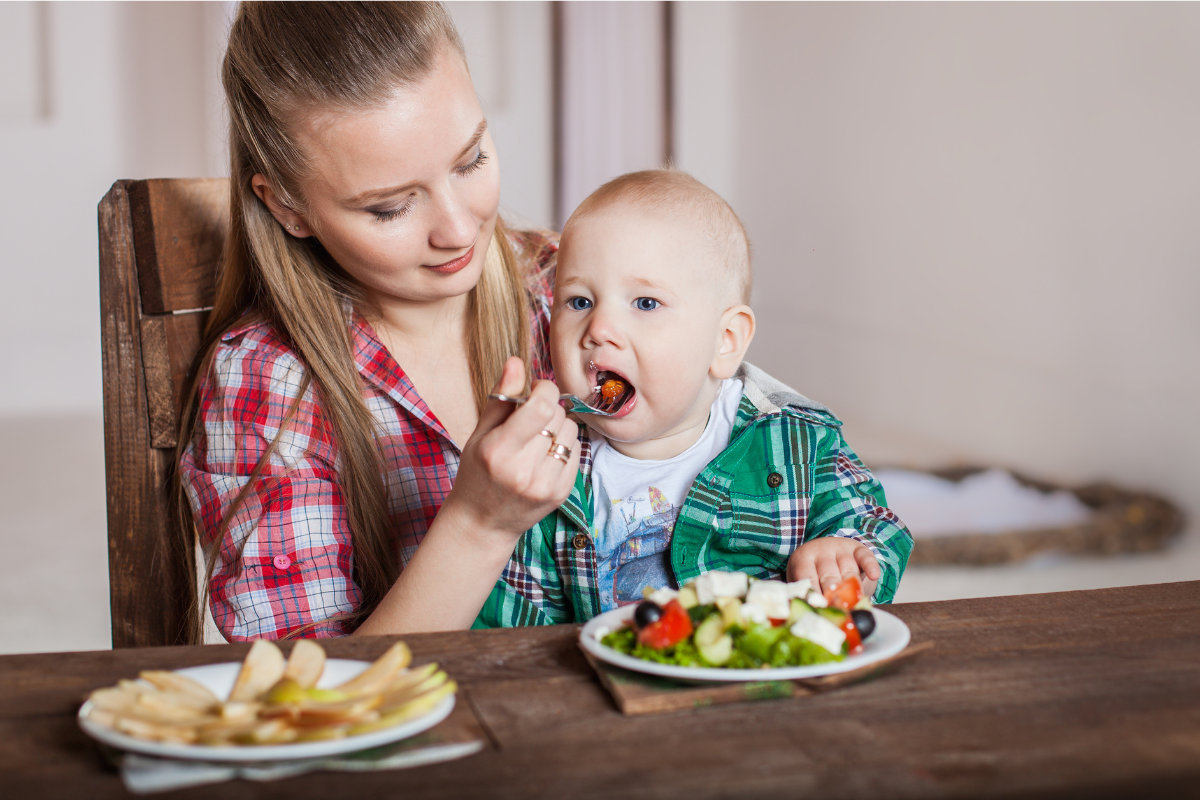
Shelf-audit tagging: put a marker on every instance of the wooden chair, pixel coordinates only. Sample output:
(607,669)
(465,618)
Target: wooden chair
(160,244)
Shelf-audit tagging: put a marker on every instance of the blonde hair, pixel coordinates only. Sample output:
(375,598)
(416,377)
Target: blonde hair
(285,61)
(677,192)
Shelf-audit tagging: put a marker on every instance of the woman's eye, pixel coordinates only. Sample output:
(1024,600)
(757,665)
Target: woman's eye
(646,304)
(579,304)
(389,214)
(479,161)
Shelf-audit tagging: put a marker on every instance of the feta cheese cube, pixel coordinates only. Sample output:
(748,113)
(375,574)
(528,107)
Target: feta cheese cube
(819,631)
(772,596)
(717,583)
(601,632)
(799,588)
(663,596)
(816,599)
(753,613)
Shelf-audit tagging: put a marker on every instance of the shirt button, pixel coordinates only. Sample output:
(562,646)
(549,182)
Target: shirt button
(282,562)
(579,541)
(774,479)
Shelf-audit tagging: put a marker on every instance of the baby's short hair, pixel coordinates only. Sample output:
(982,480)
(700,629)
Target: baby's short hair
(675,191)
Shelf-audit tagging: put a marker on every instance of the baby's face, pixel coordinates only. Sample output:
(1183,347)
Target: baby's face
(637,297)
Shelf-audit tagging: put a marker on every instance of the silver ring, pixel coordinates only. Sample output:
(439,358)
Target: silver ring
(560,451)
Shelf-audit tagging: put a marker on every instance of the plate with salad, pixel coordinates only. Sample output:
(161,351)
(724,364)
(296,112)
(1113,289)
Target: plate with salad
(727,626)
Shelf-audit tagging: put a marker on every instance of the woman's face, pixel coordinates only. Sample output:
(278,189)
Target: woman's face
(405,196)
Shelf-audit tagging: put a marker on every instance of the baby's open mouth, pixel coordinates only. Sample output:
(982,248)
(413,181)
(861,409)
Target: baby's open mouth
(611,392)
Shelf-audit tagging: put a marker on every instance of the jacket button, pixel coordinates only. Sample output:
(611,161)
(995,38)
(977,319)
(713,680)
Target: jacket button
(579,541)
(774,479)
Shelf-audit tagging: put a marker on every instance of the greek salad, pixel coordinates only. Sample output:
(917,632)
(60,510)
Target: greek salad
(730,620)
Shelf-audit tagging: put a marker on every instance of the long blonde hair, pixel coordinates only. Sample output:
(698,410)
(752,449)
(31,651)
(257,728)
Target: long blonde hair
(285,60)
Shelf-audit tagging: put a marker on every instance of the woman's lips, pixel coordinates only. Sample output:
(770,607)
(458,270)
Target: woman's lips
(451,267)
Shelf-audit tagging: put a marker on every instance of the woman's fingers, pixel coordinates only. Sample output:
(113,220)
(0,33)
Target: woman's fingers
(512,383)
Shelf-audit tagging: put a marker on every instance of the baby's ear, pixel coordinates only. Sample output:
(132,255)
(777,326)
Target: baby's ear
(733,338)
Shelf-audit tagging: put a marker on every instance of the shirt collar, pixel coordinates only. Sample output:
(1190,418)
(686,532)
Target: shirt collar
(377,366)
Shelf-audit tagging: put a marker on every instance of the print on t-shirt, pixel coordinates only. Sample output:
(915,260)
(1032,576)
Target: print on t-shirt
(641,527)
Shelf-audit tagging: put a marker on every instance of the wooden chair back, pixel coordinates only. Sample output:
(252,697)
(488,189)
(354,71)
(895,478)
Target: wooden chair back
(160,244)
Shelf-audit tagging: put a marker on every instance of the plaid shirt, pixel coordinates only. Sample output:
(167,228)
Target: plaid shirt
(287,560)
(785,478)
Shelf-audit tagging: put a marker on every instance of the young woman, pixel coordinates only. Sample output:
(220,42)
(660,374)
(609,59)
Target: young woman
(369,300)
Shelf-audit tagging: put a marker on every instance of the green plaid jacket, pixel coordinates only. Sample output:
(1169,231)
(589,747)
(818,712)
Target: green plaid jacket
(786,477)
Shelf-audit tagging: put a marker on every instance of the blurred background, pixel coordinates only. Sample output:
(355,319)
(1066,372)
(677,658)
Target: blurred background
(974,231)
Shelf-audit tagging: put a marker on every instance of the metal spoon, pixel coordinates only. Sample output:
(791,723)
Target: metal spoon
(570,402)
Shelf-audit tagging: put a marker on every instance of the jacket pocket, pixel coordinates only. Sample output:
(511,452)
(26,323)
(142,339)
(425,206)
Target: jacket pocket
(769,508)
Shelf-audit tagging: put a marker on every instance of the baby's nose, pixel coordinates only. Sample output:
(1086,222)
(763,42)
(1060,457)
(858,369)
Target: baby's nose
(603,328)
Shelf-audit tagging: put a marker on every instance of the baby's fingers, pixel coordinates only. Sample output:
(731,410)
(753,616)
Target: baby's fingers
(867,563)
(829,570)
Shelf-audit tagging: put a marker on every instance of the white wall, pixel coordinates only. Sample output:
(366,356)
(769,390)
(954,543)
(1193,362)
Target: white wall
(975,225)
(613,95)
(129,96)
(509,53)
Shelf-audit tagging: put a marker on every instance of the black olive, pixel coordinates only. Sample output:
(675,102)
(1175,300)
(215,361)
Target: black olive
(648,612)
(865,622)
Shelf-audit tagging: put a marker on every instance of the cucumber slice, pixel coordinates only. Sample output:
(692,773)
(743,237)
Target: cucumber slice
(799,609)
(836,616)
(717,653)
(731,610)
(687,596)
(709,632)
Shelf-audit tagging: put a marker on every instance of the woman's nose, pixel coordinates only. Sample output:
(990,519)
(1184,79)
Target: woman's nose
(453,226)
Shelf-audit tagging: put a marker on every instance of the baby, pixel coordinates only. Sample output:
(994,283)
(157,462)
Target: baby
(708,462)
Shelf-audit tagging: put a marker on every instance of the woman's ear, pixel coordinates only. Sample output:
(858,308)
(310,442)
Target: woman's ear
(733,339)
(290,220)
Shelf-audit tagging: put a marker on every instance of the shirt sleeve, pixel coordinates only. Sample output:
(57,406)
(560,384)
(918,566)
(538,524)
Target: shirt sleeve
(284,562)
(530,590)
(848,501)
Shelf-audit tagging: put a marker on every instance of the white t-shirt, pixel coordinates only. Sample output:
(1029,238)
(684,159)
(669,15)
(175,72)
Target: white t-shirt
(637,501)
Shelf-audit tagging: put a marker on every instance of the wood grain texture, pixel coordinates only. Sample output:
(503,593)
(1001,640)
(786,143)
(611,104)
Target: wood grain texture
(179,232)
(169,346)
(149,583)
(1079,694)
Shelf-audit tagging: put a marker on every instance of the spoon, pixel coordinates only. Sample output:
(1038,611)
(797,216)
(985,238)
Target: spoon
(570,402)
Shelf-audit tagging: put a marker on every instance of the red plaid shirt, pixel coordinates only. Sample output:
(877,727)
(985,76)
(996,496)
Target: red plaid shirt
(287,560)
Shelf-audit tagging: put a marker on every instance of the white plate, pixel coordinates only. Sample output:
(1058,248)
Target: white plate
(219,678)
(890,637)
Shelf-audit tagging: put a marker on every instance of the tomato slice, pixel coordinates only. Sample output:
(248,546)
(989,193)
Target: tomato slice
(853,639)
(672,628)
(845,595)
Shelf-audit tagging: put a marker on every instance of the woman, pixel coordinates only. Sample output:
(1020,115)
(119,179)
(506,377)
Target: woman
(369,301)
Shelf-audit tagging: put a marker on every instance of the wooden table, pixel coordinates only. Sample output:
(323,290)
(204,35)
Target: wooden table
(1073,694)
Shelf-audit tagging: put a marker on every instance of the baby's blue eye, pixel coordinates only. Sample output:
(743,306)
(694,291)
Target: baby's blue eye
(646,304)
(579,304)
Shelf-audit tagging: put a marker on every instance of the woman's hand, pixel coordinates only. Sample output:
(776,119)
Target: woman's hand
(508,479)
(829,560)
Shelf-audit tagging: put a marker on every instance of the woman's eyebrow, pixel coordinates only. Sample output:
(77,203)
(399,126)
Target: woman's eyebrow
(479,129)
(383,194)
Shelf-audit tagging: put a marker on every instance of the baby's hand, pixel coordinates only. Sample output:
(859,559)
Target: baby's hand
(830,560)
